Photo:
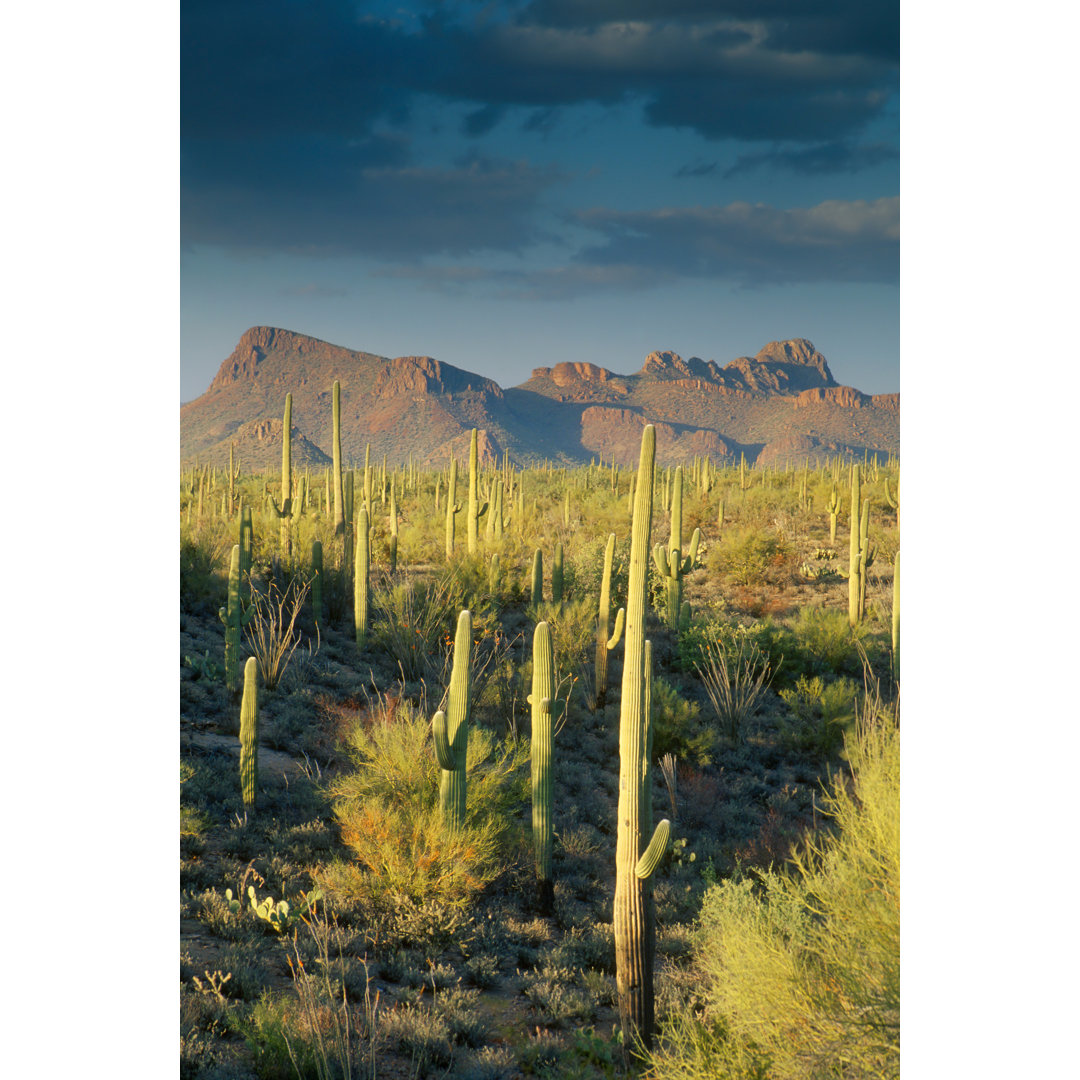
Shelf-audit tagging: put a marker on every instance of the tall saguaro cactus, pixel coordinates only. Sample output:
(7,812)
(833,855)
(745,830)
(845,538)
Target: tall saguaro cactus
(833,510)
(538,578)
(339,491)
(671,564)
(393,528)
(605,644)
(557,575)
(284,512)
(451,729)
(542,700)
(476,511)
(452,507)
(249,734)
(635,920)
(316,582)
(234,616)
(854,590)
(896,618)
(361,576)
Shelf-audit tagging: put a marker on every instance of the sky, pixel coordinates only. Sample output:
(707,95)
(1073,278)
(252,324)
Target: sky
(508,185)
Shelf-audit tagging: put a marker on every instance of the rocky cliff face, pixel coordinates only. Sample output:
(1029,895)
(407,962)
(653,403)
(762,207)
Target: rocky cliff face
(782,401)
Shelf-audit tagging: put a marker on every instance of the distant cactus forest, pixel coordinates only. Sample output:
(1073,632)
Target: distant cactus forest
(555,772)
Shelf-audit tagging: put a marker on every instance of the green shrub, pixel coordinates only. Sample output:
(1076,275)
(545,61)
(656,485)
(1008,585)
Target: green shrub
(749,556)
(389,814)
(821,714)
(678,727)
(801,971)
(825,644)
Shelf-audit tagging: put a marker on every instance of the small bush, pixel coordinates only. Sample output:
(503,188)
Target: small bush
(677,726)
(750,557)
(802,971)
(390,818)
(821,714)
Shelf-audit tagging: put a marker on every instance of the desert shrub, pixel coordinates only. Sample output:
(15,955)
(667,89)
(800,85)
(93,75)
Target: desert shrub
(735,674)
(204,564)
(749,556)
(413,622)
(678,727)
(821,714)
(801,968)
(825,644)
(272,633)
(389,814)
(555,999)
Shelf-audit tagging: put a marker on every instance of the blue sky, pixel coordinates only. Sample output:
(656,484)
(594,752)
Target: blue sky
(508,185)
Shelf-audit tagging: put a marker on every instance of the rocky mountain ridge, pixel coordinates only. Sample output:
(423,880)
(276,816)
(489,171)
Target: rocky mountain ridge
(782,401)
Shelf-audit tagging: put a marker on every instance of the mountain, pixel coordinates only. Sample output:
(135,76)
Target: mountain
(782,404)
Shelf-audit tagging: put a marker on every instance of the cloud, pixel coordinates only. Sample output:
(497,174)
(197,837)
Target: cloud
(819,159)
(742,244)
(753,244)
(397,212)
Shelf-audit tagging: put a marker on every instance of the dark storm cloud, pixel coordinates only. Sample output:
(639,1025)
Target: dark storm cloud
(834,157)
(754,244)
(294,114)
(386,211)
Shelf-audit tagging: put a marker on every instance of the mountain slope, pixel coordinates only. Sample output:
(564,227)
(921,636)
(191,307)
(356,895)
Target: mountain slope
(781,404)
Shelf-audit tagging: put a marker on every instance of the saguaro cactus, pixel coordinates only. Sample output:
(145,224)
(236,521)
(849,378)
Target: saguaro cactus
(393,527)
(557,575)
(542,700)
(896,618)
(316,581)
(671,564)
(605,644)
(451,729)
(476,511)
(538,578)
(452,508)
(361,576)
(339,491)
(234,616)
(249,734)
(285,510)
(833,509)
(854,589)
(635,923)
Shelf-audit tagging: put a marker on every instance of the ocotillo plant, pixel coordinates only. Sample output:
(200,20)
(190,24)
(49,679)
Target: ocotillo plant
(339,491)
(476,511)
(249,734)
(451,729)
(853,548)
(234,616)
(605,644)
(542,700)
(538,579)
(452,508)
(316,581)
(670,563)
(361,576)
(635,922)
